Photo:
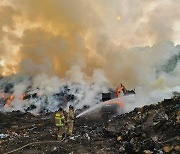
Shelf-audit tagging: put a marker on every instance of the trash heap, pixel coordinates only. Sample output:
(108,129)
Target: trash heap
(150,129)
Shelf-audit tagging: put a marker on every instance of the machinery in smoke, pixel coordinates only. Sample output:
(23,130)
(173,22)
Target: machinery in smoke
(112,104)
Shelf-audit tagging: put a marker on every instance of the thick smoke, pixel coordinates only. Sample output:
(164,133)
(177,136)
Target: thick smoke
(91,46)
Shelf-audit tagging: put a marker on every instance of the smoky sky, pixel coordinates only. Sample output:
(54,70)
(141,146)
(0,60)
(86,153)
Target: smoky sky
(73,39)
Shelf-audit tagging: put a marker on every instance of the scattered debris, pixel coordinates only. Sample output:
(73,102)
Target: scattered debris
(150,129)
(3,136)
(167,148)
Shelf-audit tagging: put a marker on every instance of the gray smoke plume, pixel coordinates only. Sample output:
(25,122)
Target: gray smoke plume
(90,46)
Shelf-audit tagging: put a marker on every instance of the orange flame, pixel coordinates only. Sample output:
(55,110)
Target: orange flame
(9,100)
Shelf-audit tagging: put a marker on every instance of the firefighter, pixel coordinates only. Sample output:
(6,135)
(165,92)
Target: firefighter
(120,89)
(70,121)
(60,124)
(66,122)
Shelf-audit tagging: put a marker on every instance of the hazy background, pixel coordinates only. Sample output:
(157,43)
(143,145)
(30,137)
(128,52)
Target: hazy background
(93,44)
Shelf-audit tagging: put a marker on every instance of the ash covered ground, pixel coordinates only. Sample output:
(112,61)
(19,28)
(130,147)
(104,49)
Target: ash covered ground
(150,129)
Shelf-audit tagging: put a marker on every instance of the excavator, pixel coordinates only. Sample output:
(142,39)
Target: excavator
(112,103)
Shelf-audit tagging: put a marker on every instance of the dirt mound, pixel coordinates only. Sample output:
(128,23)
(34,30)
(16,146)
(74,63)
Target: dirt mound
(151,129)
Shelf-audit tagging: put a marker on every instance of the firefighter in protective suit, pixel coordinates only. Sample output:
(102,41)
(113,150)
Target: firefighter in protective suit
(60,124)
(70,121)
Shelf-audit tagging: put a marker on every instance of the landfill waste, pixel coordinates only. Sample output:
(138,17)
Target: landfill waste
(150,129)
(3,136)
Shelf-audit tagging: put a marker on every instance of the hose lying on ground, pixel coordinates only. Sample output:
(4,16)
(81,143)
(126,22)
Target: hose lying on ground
(44,142)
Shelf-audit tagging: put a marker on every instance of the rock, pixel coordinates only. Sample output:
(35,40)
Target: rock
(177,148)
(119,138)
(167,148)
(147,152)
(132,141)
(155,138)
(54,149)
(121,149)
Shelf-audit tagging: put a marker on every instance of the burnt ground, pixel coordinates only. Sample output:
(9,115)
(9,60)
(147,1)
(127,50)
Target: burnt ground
(151,129)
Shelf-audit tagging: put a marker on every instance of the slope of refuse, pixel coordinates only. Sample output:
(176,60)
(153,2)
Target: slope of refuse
(150,129)
(35,95)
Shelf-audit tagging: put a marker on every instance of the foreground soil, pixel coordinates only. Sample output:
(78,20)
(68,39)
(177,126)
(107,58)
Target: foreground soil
(151,129)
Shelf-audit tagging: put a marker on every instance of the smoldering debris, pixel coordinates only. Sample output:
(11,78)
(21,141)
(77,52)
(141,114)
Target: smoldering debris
(26,93)
(150,129)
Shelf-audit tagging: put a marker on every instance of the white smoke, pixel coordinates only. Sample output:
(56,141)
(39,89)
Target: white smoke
(87,90)
(89,47)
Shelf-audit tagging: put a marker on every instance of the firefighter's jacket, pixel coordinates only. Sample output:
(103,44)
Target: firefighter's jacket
(60,119)
(70,116)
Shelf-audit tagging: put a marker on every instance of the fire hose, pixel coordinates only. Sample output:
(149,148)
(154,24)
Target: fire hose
(29,144)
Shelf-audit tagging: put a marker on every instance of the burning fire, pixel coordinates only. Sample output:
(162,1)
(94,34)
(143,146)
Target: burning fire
(9,100)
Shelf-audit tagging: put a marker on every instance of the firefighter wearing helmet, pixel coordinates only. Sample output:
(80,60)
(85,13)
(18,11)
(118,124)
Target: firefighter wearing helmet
(70,121)
(60,123)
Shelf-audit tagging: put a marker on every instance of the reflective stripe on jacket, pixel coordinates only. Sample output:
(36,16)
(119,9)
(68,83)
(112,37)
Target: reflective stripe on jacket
(59,118)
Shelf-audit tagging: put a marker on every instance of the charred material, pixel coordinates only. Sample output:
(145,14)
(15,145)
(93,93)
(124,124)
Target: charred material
(150,129)
(111,94)
(32,95)
(107,96)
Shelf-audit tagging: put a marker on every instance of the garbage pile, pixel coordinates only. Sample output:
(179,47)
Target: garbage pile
(150,129)
(31,96)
